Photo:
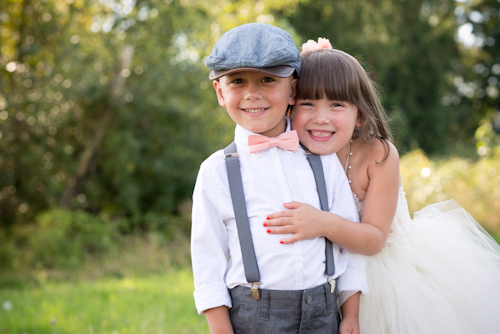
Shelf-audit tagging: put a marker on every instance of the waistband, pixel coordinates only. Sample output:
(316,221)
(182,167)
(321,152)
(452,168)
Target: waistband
(285,298)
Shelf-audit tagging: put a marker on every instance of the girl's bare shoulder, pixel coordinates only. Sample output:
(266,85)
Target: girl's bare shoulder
(379,152)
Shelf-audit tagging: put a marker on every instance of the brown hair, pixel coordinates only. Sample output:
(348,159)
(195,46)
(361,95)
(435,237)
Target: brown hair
(338,76)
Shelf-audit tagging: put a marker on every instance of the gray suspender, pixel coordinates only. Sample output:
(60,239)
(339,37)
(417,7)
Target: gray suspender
(240,211)
(319,177)
(240,214)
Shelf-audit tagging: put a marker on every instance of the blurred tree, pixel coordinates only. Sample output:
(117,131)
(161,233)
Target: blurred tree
(409,48)
(82,128)
(479,81)
(64,126)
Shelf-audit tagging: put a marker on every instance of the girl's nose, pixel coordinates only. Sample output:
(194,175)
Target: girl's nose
(321,117)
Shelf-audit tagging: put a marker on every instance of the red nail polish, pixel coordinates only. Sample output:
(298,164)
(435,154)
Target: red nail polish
(268,218)
(268,230)
(281,242)
(265,224)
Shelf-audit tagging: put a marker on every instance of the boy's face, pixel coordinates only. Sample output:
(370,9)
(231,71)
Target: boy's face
(324,126)
(256,100)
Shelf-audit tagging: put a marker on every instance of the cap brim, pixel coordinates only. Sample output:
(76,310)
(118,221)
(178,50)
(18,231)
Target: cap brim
(282,71)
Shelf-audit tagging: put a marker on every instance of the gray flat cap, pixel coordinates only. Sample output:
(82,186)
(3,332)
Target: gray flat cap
(254,46)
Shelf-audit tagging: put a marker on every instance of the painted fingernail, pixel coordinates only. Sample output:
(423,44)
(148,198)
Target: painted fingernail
(268,230)
(268,218)
(265,224)
(281,242)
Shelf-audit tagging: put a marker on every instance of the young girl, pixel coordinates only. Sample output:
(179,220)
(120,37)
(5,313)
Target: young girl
(437,273)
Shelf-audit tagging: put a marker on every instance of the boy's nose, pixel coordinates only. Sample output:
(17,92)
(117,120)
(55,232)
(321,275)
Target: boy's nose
(252,93)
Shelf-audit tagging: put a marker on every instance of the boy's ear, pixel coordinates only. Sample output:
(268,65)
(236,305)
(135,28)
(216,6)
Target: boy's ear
(293,92)
(218,91)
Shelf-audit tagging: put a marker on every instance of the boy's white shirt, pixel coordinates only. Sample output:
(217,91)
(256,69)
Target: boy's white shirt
(270,178)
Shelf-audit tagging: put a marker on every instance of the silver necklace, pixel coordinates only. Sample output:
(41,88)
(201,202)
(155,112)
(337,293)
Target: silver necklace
(347,163)
(348,168)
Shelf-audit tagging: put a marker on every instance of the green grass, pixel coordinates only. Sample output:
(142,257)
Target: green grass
(152,304)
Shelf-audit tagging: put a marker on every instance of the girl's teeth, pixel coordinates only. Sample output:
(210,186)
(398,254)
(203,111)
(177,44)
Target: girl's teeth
(321,133)
(255,111)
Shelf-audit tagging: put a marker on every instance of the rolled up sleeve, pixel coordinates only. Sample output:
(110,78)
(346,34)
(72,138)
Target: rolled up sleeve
(354,277)
(209,246)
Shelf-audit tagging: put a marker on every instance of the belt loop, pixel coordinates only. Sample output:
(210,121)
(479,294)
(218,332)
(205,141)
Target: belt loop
(265,303)
(329,298)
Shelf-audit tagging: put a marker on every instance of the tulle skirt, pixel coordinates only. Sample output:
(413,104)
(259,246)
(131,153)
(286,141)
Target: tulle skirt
(439,273)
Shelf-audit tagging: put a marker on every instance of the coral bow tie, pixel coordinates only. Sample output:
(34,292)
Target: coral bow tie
(287,140)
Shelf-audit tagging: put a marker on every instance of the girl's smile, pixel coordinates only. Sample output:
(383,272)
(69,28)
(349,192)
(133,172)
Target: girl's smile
(321,135)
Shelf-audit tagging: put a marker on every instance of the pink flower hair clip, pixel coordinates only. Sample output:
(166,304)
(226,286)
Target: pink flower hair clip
(323,43)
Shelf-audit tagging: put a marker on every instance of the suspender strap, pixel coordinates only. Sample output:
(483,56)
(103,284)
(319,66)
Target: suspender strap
(319,176)
(240,212)
(241,216)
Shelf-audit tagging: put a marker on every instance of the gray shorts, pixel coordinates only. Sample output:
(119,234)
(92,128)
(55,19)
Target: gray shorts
(313,311)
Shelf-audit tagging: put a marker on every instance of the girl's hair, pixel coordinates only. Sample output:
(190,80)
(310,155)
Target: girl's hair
(338,76)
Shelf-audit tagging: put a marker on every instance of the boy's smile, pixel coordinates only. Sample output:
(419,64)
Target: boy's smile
(256,100)
(324,126)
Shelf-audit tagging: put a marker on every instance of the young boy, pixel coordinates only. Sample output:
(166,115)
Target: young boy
(254,68)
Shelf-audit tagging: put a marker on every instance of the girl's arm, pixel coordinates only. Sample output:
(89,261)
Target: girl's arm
(381,186)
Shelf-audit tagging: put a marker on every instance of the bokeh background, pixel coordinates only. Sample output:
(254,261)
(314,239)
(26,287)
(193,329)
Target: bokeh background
(106,113)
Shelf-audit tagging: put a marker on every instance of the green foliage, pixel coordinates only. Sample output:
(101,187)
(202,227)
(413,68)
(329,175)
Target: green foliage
(62,239)
(7,253)
(474,185)
(81,129)
(478,83)
(150,304)
(71,245)
(408,47)
(87,125)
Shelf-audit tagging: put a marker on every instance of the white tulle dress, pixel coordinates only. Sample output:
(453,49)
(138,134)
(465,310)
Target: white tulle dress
(437,273)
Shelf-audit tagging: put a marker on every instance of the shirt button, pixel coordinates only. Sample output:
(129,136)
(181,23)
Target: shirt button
(309,299)
(275,154)
(284,189)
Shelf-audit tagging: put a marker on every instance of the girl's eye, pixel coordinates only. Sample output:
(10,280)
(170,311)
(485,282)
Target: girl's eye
(306,104)
(336,105)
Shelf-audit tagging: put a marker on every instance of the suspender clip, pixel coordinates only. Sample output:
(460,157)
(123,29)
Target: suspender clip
(230,155)
(255,290)
(332,282)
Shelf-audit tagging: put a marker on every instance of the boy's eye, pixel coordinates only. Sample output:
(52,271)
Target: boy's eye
(237,81)
(267,79)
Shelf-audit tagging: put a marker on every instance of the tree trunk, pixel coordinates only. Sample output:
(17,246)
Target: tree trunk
(93,144)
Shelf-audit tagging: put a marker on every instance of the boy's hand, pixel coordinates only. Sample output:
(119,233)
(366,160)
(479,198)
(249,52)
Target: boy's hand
(350,315)
(302,220)
(218,320)
(349,325)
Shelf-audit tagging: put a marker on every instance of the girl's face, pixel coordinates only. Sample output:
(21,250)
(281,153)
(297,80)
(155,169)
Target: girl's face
(324,126)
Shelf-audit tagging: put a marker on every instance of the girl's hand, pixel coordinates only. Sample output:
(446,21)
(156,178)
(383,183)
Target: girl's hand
(301,220)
